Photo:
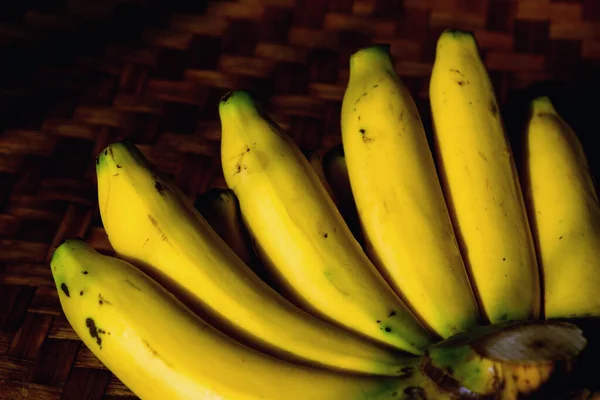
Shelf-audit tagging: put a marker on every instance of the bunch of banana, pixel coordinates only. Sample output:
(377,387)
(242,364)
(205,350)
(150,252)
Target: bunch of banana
(153,225)
(161,350)
(294,220)
(187,311)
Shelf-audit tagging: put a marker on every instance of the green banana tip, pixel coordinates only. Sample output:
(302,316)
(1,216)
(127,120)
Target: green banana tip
(381,48)
(236,101)
(466,39)
(235,96)
(458,33)
(69,241)
(542,105)
(367,58)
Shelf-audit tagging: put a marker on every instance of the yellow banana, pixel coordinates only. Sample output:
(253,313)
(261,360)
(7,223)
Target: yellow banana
(151,223)
(480,182)
(405,220)
(316,163)
(336,172)
(220,209)
(300,230)
(160,350)
(564,212)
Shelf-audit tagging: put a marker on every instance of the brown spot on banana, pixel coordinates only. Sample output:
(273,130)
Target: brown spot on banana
(65,289)
(102,300)
(94,333)
(493,108)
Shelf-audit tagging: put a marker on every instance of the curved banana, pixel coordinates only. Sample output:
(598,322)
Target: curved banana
(403,213)
(336,172)
(480,182)
(151,223)
(564,212)
(220,209)
(300,230)
(316,163)
(160,350)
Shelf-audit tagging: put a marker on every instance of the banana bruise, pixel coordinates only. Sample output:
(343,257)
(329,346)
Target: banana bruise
(480,183)
(508,361)
(160,350)
(564,213)
(316,163)
(300,230)
(151,224)
(336,172)
(400,203)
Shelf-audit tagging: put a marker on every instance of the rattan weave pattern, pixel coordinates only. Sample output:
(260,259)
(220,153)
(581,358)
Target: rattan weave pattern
(78,74)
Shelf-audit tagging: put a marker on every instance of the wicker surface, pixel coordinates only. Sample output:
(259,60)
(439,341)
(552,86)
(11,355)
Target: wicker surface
(78,74)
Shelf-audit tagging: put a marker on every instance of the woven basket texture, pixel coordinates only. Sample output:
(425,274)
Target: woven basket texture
(76,75)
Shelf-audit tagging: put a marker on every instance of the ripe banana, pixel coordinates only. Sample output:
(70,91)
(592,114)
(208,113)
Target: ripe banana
(151,224)
(405,220)
(480,182)
(300,230)
(336,172)
(160,350)
(317,164)
(564,212)
(220,209)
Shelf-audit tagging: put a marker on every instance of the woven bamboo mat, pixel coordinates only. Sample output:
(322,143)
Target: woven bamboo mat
(78,74)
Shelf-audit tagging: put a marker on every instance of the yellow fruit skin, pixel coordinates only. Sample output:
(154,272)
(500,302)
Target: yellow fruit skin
(481,184)
(399,199)
(564,213)
(151,224)
(160,350)
(317,164)
(336,172)
(220,209)
(299,229)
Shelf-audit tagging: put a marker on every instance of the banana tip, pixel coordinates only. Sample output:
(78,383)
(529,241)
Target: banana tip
(542,105)
(458,33)
(64,243)
(237,95)
(226,96)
